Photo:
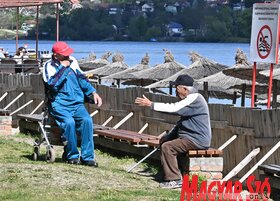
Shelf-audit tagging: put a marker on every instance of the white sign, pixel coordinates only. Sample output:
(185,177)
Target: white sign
(265,32)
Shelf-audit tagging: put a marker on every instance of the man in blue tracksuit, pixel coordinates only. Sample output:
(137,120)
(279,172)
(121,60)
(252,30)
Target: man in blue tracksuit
(67,87)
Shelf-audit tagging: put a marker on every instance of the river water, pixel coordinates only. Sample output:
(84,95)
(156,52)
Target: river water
(133,52)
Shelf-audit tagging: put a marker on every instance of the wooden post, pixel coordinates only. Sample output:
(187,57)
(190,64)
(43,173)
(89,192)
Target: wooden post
(234,98)
(253,84)
(274,94)
(119,83)
(243,95)
(13,101)
(3,96)
(37,107)
(255,99)
(269,153)
(242,164)
(230,140)
(20,108)
(123,120)
(107,121)
(170,88)
(94,113)
(143,128)
(205,91)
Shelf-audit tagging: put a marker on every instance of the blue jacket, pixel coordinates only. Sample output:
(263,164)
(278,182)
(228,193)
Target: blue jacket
(67,85)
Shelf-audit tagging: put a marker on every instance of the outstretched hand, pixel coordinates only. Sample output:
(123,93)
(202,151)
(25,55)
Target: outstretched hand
(143,101)
(97,99)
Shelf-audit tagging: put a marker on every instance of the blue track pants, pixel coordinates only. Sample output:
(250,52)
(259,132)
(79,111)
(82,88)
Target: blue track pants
(75,120)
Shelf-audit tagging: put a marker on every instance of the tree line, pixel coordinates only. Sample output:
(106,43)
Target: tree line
(201,23)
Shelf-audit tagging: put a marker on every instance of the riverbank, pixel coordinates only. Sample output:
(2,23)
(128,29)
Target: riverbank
(6,34)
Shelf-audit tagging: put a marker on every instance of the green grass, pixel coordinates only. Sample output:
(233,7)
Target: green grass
(23,179)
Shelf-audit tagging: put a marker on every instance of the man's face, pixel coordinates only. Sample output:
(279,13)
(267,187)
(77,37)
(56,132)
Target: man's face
(181,91)
(60,57)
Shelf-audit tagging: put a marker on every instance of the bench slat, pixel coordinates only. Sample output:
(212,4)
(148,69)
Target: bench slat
(270,169)
(205,153)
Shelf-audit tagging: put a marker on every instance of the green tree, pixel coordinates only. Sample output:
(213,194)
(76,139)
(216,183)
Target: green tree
(137,28)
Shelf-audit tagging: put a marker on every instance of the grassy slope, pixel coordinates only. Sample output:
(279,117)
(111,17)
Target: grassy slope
(23,179)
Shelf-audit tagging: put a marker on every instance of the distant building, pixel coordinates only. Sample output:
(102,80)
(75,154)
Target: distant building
(171,9)
(175,29)
(148,8)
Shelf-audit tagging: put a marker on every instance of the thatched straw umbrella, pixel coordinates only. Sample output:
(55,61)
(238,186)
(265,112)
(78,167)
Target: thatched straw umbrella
(201,67)
(91,64)
(243,70)
(276,73)
(116,66)
(123,75)
(227,82)
(159,72)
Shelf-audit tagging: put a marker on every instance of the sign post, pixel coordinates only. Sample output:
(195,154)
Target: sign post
(264,40)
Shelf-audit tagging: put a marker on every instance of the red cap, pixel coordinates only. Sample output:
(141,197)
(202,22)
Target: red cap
(62,48)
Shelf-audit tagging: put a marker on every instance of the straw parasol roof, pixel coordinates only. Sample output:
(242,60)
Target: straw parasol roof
(123,75)
(224,82)
(243,70)
(276,73)
(91,62)
(116,66)
(201,67)
(159,72)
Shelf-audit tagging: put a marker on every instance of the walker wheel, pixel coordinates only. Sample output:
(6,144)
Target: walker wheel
(36,153)
(50,155)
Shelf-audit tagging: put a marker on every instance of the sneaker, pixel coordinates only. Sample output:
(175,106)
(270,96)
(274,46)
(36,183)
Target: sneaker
(171,184)
(74,161)
(91,163)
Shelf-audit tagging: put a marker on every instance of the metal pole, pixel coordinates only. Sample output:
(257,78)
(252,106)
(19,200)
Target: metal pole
(270,86)
(17,28)
(57,22)
(134,166)
(37,31)
(253,85)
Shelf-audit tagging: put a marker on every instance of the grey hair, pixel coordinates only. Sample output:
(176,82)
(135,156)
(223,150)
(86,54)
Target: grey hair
(191,89)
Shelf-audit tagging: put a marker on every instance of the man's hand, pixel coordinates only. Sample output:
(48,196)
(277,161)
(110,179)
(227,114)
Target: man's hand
(97,99)
(65,63)
(143,101)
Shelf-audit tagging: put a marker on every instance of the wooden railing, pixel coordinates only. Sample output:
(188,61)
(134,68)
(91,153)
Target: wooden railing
(254,127)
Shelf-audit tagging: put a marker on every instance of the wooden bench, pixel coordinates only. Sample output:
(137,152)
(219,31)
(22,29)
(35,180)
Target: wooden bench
(129,136)
(272,171)
(208,163)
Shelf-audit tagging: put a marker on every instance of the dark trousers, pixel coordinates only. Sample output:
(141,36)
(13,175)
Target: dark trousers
(169,152)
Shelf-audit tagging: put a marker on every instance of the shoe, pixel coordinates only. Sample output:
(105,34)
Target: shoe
(74,161)
(91,163)
(171,184)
